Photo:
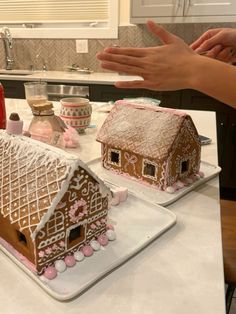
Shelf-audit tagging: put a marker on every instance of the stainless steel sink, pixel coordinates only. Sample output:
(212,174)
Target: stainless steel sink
(58,91)
(16,72)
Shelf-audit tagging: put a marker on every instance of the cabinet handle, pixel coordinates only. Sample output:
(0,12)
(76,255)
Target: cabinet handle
(186,6)
(178,3)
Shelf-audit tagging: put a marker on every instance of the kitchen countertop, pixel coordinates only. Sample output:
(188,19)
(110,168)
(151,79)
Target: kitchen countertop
(179,273)
(107,78)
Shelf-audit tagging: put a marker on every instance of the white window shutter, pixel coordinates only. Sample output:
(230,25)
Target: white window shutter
(53,11)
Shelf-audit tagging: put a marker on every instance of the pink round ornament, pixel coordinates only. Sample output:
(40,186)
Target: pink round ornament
(70,261)
(50,272)
(87,250)
(103,240)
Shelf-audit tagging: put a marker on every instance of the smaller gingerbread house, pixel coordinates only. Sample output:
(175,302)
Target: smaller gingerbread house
(51,204)
(154,145)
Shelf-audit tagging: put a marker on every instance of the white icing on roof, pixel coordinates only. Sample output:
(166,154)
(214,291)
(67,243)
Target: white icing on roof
(146,130)
(33,178)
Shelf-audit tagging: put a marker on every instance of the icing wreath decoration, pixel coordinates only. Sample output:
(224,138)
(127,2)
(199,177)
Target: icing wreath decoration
(75,212)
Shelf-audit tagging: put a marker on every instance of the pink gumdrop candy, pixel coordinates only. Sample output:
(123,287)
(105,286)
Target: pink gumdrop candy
(103,240)
(50,272)
(87,250)
(70,261)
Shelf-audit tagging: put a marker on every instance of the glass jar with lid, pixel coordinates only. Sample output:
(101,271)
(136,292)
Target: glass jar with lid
(46,126)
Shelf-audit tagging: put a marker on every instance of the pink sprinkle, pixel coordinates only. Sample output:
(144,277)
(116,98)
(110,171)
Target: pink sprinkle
(50,272)
(110,227)
(93,226)
(70,261)
(98,223)
(62,244)
(201,174)
(103,240)
(87,250)
(41,254)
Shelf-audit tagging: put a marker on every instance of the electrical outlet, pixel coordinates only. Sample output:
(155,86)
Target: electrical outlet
(82,46)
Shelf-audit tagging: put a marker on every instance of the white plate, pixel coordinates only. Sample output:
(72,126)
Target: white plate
(146,192)
(137,223)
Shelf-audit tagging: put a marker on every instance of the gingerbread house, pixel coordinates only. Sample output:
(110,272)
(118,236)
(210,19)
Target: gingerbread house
(51,203)
(157,146)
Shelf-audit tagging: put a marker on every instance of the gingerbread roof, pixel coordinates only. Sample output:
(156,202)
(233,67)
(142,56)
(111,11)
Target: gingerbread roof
(147,130)
(33,178)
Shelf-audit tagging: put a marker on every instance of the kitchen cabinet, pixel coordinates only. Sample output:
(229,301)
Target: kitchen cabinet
(183,10)
(226,136)
(150,8)
(210,7)
(111,93)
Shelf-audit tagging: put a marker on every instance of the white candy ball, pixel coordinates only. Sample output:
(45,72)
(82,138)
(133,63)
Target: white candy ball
(95,245)
(79,256)
(180,184)
(60,266)
(111,235)
(170,189)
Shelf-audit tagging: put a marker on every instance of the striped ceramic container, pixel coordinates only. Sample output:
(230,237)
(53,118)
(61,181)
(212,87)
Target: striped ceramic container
(76,112)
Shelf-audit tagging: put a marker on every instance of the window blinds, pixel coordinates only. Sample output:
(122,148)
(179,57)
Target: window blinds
(23,11)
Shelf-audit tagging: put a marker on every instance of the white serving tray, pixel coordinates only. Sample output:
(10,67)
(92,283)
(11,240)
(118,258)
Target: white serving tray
(137,223)
(146,192)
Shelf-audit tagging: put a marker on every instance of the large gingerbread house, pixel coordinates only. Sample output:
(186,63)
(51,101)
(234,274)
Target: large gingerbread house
(51,203)
(157,146)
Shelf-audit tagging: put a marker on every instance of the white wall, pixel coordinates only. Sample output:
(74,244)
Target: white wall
(124,12)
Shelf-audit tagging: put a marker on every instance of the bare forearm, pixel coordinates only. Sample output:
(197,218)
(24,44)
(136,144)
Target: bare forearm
(216,79)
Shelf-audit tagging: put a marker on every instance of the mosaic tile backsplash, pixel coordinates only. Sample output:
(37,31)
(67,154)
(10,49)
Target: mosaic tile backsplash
(57,54)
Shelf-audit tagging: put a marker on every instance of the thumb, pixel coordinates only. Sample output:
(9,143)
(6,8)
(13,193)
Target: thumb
(161,33)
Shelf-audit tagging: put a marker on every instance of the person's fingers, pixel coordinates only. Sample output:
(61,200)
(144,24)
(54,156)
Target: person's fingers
(120,58)
(212,53)
(225,54)
(197,43)
(123,68)
(161,33)
(135,84)
(135,52)
(209,44)
(205,36)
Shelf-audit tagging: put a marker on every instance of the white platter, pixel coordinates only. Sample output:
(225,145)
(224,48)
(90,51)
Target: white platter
(146,192)
(137,223)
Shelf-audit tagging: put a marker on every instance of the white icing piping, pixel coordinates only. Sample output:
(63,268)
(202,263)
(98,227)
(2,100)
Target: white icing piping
(48,154)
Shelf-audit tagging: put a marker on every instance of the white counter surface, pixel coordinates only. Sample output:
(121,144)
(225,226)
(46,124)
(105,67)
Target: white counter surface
(107,78)
(179,273)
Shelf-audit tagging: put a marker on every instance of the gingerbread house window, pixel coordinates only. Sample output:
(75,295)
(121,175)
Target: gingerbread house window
(21,238)
(75,234)
(96,202)
(55,224)
(114,157)
(149,169)
(184,166)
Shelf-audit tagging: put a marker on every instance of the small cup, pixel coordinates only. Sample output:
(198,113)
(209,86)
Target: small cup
(36,92)
(76,112)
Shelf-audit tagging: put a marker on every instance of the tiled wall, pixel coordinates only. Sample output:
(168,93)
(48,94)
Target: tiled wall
(60,53)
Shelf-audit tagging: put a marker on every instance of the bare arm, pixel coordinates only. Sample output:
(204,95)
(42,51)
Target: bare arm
(172,66)
(216,79)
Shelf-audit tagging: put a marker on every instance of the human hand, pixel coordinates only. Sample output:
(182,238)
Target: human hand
(218,43)
(166,67)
